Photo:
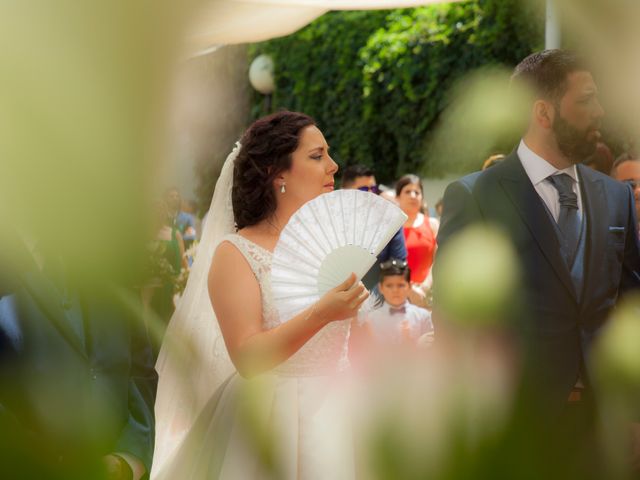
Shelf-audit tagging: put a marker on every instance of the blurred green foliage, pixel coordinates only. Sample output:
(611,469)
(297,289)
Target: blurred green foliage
(85,92)
(378,81)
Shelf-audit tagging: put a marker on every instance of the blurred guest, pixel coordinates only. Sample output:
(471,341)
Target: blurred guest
(396,321)
(189,224)
(388,193)
(169,234)
(601,159)
(575,231)
(168,260)
(438,208)
(191,235)
(185,221)
(626,169)
(492,161)
(362,178)
(190,208)
(77,382)
(420,236)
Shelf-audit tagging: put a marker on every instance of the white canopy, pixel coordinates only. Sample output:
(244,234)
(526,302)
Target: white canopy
(224,22)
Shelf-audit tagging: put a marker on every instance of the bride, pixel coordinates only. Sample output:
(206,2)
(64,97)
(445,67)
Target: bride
(242,393)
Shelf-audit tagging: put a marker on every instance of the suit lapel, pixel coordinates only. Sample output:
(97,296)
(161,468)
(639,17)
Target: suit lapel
(48,299)
(533,212)
(595,208)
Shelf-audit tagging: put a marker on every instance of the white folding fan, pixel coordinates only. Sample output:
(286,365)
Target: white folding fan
(325,241)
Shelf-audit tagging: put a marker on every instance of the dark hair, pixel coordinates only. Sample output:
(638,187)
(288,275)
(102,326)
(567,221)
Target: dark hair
(406,180)
(546,72)
(352,172)
(265,152)
(395,267)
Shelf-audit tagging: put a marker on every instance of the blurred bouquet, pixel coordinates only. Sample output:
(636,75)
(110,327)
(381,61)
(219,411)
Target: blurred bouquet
(191,252)
(158,269)
(180,281)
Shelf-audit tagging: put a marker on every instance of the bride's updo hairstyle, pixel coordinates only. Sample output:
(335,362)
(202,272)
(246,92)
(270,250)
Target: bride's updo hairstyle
(265,152)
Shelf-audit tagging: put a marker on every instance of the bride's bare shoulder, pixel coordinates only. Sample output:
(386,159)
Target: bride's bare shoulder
(226,251)
(230,272)
(227,259)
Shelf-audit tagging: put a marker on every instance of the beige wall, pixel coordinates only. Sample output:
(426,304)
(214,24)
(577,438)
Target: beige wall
(434,188)
(212,102)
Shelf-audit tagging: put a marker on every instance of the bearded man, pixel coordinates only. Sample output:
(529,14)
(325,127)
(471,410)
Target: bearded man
(574,230)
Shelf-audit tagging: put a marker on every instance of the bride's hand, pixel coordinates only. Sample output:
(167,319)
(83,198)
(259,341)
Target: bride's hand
(343,301)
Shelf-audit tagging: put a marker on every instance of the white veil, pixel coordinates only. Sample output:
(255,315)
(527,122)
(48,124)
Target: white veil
(193,359)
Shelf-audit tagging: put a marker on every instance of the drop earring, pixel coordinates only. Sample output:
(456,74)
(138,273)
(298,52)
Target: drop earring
(282,188)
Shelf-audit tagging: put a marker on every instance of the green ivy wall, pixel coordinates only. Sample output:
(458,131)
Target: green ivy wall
(378,81)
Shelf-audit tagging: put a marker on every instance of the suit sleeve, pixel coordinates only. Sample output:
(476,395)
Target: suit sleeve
(630,278)
(138,435)
(459,211)
(397,247)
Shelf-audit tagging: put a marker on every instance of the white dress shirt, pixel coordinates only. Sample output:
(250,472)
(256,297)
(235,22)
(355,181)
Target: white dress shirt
(388,325)
(538,169)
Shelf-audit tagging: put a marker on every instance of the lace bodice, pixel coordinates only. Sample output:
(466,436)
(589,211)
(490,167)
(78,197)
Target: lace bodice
(326,352)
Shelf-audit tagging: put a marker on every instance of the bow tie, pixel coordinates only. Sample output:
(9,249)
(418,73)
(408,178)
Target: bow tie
(397,310)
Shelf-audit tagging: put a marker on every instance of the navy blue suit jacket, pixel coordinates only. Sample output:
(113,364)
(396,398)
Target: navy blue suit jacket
(72,392)
(556,326)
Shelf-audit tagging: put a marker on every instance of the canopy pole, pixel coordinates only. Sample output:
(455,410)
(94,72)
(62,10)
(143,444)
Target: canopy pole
(552,26)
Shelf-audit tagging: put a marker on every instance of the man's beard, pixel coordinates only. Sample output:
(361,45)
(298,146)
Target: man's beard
(573,143)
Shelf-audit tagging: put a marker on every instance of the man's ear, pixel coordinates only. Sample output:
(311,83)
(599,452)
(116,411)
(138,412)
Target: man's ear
(543,113)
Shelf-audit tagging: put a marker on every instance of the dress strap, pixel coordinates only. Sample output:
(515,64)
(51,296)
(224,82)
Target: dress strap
(257,257)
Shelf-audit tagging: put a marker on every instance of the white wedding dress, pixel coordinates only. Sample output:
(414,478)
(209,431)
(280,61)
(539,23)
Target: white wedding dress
(296,411)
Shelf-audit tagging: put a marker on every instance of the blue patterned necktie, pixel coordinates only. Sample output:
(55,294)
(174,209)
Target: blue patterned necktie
(568,220)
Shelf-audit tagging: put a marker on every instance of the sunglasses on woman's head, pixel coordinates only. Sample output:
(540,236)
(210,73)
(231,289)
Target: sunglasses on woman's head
(373,189)
(394,262)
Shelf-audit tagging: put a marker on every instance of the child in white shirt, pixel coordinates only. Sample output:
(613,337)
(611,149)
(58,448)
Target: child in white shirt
(396,321)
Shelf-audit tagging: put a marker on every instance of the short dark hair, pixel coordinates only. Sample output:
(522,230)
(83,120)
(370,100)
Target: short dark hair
(406,180)
(394,267)
(351,172)
(546,72)
(265,152)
